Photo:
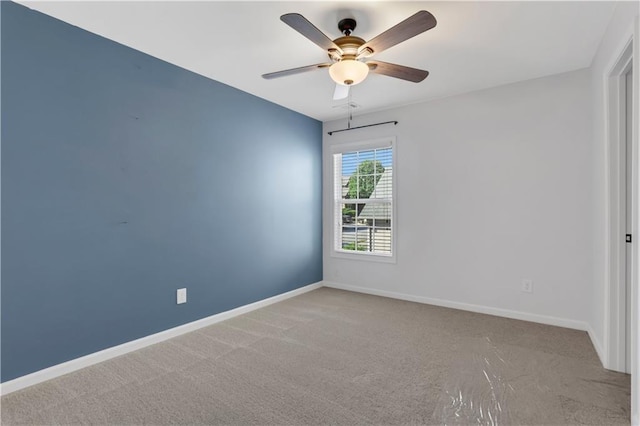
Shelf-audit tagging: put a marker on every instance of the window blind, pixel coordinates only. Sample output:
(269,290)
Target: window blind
(363,200)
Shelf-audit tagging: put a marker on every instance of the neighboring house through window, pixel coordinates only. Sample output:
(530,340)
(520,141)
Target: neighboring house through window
(363,198)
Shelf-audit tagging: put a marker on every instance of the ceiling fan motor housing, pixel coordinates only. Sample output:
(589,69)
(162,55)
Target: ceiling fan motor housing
(349,46)
(347,70)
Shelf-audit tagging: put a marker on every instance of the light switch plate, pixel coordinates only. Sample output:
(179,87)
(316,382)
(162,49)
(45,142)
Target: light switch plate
(181,296)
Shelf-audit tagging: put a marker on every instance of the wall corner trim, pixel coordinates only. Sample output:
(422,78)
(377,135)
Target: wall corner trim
(115,351)
(506,313)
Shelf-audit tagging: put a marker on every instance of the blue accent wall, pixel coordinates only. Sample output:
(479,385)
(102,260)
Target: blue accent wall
(125,178)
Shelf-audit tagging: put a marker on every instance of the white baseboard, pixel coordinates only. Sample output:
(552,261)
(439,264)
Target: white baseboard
(598,346)
(106,354)
(507,313)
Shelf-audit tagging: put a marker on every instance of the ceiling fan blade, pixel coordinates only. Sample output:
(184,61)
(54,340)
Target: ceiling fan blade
(307,29)
(293,71)
(398,71)
(410,27)
(340,92)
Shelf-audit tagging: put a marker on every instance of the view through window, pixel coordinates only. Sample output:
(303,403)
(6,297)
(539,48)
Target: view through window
(363,201)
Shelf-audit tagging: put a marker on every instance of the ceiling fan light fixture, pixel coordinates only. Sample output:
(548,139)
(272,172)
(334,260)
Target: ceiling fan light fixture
(348,72)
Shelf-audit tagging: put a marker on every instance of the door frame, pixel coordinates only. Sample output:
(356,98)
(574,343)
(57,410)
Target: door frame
(615,296)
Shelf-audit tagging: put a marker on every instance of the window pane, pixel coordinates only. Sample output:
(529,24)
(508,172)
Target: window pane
(384,156)
(382,240)
(383,188)
(367,182)
(376,214)
(366,155)
(349,163)
(354,233)
(348,213)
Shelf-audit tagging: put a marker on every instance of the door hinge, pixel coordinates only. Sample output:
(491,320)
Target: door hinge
(628,238)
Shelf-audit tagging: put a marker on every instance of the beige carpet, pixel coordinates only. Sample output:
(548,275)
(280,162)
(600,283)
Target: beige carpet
(335,357)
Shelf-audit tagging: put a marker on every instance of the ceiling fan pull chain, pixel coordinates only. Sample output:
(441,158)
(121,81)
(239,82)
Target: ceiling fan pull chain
(349,109)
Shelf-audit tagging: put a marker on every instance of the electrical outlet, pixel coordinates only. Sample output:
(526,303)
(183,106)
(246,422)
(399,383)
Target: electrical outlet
(527,286)
(181,296)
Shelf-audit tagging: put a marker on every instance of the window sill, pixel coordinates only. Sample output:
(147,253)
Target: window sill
(363,256)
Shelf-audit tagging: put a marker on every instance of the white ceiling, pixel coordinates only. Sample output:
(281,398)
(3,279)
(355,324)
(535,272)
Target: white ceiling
(475,45)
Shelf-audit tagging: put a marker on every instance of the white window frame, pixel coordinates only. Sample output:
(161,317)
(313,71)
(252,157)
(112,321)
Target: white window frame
(387,142)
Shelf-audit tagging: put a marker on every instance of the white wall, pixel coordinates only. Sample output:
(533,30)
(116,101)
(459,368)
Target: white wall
(493,187)
(635,301)
(619,30)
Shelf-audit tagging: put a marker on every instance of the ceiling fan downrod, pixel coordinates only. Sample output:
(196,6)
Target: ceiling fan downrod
(346,26)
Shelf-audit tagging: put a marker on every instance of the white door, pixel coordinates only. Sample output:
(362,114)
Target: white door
(628,116)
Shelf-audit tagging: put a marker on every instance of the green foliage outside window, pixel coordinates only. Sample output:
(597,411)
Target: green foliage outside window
(364,180)
(352,246)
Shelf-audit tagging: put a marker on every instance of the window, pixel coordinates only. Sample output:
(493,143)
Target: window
(363,198)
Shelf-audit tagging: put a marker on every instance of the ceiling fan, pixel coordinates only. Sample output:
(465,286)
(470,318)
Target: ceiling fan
(349,55)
